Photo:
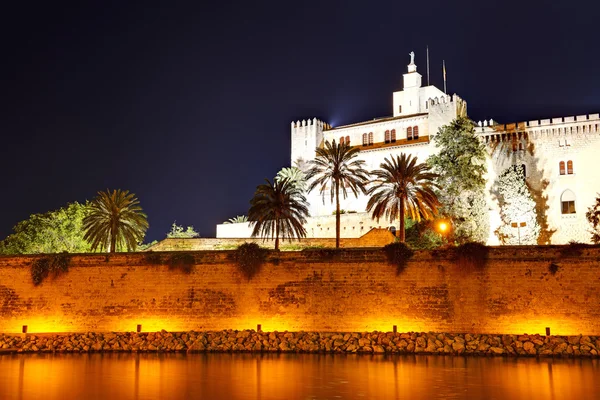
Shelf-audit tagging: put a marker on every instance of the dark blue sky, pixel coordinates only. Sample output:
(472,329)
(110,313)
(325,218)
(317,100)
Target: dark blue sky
(189,106)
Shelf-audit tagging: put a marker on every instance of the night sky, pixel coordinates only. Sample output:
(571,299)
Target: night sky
(190,106)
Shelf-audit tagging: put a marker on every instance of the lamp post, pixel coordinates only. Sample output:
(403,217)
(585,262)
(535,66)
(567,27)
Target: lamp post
(443,227)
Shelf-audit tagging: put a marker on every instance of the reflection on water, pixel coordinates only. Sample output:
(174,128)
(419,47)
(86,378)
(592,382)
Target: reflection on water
(288,376)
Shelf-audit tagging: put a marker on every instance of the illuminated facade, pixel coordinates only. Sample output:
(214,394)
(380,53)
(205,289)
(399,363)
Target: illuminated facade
(558,155)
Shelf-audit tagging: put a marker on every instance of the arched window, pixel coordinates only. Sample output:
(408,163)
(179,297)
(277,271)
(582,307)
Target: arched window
(570,167)
(561,167)
(342,140)
(348,140)
(387,136)
(370,137)
(520,146)
(567,201)
(364,139)
(514,146)
(409,134)
(415,132)
(393,135)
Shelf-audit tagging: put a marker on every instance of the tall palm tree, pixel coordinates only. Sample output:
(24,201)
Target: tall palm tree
(115,220)
(278,209)
(403,188)
(335,166)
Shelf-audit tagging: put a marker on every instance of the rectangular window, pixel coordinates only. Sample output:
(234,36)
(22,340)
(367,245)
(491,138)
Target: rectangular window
(400,109)
(568,207)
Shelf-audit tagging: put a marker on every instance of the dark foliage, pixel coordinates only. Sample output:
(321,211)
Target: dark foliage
(152,258)
(51,265)
(398,254)
(183,262)
(471,256)
(573,249)
(553,268)
(249,258)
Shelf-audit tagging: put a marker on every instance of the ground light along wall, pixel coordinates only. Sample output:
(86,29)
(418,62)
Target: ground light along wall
(520,290)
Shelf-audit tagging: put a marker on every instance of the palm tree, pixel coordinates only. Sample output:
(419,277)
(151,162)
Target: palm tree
(278,209)
(236,220)
(115,220)
(295,175)
(337,166)
(403,188)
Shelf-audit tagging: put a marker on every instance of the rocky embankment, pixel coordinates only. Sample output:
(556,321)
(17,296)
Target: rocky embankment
(306,342)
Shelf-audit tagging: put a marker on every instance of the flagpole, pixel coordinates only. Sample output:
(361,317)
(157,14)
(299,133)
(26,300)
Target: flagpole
(427,65)
(444,68)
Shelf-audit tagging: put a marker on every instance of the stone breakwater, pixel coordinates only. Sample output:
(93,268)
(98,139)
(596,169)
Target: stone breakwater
(306,342)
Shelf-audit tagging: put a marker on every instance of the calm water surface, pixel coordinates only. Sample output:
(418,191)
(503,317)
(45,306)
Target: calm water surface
(306,376)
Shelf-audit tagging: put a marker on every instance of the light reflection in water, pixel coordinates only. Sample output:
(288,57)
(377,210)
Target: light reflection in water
(308,376)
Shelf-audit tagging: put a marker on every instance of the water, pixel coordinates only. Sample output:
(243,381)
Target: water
(289,376)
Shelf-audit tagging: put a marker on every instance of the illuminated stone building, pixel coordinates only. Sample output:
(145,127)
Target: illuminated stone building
(559,156)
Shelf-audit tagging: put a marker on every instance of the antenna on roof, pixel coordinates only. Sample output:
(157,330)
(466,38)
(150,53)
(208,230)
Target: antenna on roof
(428,65)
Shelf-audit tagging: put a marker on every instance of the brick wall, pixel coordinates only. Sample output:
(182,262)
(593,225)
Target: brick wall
(355,290)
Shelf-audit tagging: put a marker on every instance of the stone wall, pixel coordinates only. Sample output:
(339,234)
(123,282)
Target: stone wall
(520,290)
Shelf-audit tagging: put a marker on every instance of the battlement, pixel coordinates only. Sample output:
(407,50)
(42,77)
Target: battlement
(310,122)
(581,124)
(446,102)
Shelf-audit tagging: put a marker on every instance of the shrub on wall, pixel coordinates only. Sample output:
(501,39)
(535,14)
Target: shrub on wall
(249,258)
(573,249)
(152,258)
(471,256)
(398,254)
(54,265)
(182,262)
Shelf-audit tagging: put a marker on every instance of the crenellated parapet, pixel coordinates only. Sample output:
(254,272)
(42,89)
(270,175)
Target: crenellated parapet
(492,132)
(307,135)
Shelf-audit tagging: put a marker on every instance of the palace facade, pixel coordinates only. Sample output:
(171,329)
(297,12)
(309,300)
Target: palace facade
(559,155)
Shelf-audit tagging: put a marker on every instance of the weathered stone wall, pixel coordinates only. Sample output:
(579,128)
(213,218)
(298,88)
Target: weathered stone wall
(307,342)
(320,290)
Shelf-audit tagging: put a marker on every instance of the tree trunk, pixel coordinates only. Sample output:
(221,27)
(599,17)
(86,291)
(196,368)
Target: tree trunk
(113,239)
(277,234)
(337,214)
(401,234)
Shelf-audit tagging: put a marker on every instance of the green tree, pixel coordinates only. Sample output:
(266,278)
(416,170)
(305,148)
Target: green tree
(115,221)
(180,232)
(336,167)
(278,209)
(402,188)
(52,232)
(294,175)
(237,220)
(461,165)
(517,208)
(593,216)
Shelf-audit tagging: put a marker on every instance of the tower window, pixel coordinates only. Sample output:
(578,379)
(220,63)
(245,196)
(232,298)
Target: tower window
(393,135)
(567,201)
(364,139)
(399,109)
(387,136)
(370,137)
(570,167)
(561,167)
(409,133)
(415,132)
(342,140)
(348,140)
